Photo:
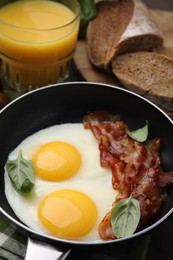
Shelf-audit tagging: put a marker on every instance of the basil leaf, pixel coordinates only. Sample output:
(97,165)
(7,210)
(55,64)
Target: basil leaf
(11,94)
(125,217)
(21,173)
(88,12)
(140,134)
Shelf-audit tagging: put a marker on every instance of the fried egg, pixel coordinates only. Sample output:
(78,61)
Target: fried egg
(72,192)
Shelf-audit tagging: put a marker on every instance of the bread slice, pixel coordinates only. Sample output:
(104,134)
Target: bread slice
(120,27)
(148,74)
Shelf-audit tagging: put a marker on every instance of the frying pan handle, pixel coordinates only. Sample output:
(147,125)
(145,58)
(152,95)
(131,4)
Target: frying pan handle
(37,250)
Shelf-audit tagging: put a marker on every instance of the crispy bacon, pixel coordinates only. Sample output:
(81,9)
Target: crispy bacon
(136,167)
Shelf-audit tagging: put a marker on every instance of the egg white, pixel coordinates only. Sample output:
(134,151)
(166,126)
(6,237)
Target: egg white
(91,179)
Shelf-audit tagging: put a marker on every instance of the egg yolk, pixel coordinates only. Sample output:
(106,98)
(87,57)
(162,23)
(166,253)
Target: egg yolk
(68,214)
(56,161)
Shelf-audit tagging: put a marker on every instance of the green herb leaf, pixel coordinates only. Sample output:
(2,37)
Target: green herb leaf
(21,173)
(140,134)
(125,217)
(88,12)
(11,94)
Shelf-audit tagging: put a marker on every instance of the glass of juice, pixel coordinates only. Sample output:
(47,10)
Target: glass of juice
(37,42)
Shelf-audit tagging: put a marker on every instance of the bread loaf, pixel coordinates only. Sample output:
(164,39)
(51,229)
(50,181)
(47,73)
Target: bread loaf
(148,74)
(121,26)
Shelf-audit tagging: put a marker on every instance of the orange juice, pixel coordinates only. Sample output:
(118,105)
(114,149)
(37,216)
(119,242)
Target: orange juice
(37,41)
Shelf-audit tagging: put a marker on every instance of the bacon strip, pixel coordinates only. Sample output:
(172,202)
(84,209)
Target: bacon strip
(136,167)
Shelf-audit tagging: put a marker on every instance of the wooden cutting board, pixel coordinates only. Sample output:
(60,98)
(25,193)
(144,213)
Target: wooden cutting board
(163,19)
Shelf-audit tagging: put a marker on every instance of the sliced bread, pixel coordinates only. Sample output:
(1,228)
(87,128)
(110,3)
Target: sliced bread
(148,74)
(120,27)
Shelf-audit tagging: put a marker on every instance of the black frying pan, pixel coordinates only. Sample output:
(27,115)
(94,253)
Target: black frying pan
(69,102)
